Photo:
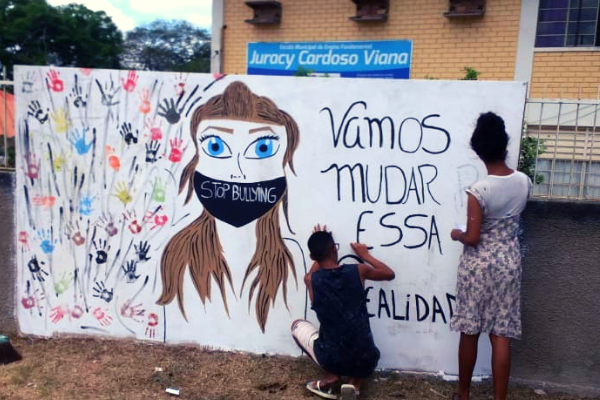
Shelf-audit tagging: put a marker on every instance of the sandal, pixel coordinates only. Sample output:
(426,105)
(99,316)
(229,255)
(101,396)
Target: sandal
(326,391)
(349,392)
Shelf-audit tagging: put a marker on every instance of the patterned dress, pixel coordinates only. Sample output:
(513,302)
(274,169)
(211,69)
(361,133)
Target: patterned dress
(488,289)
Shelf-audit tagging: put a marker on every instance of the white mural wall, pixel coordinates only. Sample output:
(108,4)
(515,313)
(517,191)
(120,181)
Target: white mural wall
(176,207)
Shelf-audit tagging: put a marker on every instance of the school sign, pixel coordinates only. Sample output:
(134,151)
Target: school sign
(374,59)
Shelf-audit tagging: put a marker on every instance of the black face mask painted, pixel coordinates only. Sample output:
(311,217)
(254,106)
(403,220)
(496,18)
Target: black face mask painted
(238,203)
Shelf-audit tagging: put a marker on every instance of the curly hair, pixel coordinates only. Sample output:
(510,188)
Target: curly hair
(489,138)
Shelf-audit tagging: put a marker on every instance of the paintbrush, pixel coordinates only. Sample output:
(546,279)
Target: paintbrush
(8,353)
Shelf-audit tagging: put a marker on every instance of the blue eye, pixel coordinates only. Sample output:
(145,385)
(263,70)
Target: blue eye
(215,147)
(264,147)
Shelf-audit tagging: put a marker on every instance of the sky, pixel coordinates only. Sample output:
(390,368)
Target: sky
(128,14)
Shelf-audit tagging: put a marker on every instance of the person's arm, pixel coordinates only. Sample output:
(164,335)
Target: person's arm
(374,270)
(474,219)
(308,281)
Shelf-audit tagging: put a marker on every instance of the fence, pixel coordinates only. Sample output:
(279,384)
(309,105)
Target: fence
(567,151)
(7,141)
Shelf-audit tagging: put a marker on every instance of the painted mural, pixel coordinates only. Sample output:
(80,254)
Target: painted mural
(176,207)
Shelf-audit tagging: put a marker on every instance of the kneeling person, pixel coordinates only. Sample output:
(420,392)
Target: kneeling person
(343,346)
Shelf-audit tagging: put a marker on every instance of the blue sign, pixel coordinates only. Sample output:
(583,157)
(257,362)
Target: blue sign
(378,59)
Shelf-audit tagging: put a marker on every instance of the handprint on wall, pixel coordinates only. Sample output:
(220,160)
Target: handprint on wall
(102,317)
(127,133)
(73,232)
(155,130)
(54,82)
(77,140)
(58,313)
(63,284)
(145,105)
(176,150)
(46,202)
(105,222)
(180,85)
(135,313)
(131,81)
(86,204)
(114,162)
(78,98)
(130,270)
(103,293)
(122,193)
(36,111)
(47,241)
(142,251)
(168,110)
(152,324)
(27,83)
(159,190)
(32,166)
(61,120)
(76,312)
(24,240)
(102,248)
(109,93)
(133,226)
(152,151)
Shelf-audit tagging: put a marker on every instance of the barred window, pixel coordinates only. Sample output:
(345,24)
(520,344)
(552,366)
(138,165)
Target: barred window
(568,23)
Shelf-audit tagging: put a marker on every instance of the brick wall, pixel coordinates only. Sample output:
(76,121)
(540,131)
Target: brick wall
(441,47)
(569,75)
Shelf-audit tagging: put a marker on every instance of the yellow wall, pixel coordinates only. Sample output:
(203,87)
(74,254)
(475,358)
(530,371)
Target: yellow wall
(568,74)
(441,47)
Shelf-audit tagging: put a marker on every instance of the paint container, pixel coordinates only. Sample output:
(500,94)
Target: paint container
(172,391)
(8,353)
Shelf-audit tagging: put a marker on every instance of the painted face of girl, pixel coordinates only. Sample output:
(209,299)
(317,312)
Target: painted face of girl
(239,151)
(239,176)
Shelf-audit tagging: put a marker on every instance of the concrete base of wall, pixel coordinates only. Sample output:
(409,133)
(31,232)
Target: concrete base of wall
(8,262)
(560,297)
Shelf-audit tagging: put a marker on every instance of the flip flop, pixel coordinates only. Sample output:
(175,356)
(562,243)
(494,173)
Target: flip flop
(349,392)
(315,387)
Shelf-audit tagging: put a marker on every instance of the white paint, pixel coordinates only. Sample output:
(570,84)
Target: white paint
(437,201)
(526,41)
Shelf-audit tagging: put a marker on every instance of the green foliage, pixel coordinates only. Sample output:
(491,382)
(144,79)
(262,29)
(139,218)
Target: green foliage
(471,74)
(301,71)
(35,33)
(531,148)
(167,46)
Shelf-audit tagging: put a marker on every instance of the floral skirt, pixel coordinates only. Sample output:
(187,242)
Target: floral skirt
(488,288)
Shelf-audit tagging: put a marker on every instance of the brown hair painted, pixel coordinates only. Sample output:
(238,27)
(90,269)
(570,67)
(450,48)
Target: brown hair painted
(198,247)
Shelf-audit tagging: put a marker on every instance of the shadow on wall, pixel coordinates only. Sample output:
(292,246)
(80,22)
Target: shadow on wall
(560,299)
(8,262)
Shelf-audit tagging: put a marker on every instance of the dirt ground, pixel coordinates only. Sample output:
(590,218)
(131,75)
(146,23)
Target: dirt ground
(111,369)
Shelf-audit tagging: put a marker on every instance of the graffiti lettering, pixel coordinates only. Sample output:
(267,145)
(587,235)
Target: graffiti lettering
(390,305)
(367,132)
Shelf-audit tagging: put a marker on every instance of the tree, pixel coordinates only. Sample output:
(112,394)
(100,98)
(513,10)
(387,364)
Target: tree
(33,32)
(167,46)
(88,38)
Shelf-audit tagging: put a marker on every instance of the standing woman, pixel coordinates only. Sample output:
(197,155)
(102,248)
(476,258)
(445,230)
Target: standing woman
(488,288)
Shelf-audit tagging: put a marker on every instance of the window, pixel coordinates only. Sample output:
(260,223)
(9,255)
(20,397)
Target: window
(568,23)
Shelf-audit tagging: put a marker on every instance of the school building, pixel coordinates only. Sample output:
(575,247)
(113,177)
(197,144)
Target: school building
(554,45)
